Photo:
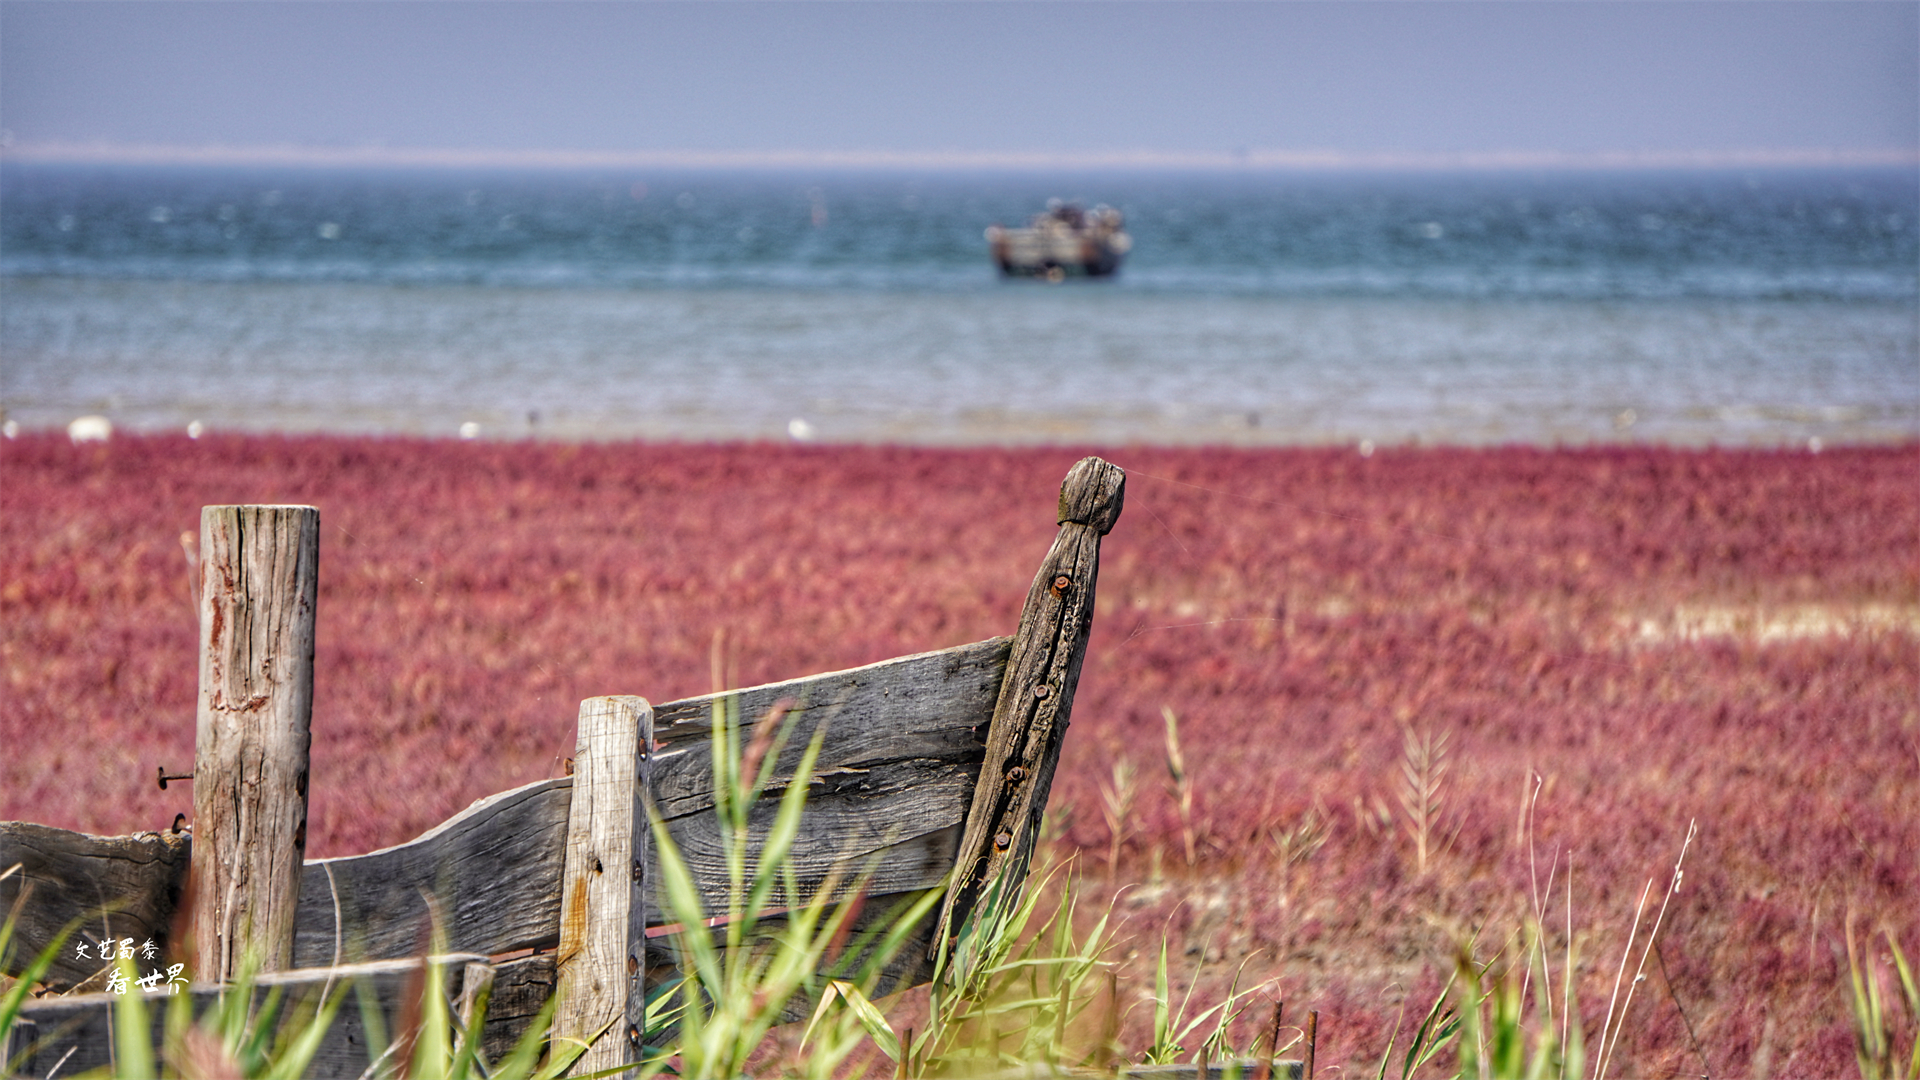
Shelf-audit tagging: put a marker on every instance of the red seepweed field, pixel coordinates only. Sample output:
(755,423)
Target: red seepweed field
(1647,638)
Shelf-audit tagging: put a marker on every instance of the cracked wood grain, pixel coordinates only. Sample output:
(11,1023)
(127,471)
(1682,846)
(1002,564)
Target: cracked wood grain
(259,579)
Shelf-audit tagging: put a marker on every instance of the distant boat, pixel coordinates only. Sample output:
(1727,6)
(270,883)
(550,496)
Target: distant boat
(1066,241)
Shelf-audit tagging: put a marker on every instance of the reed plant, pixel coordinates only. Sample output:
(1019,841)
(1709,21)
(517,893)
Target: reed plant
(1876,1044)
(1116,809)
(1180,783)
(1499,1011)
(1423,773)
(1174,1025)
(1015,992)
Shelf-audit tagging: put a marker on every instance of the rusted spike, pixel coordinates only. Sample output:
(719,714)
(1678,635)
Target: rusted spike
(1313,1038)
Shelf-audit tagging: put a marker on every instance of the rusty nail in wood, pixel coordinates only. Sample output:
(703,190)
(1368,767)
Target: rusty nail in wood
(1043,691)
(1062,583)
(177,819)
(1001,841)
(1016,774)
(639,872)
(161,772)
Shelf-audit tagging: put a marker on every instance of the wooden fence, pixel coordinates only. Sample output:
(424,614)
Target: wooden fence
(936,767)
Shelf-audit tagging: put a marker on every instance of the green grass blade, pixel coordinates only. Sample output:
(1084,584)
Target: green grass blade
(430,1043)
(1434,1031)
(684,903)
(15,998)
(468,1053)
(525,1055)
(132,1029)
(786,827)
(294,1061)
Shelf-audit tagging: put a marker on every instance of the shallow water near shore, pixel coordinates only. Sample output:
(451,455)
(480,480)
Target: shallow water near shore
(1686,311)
(1019,366)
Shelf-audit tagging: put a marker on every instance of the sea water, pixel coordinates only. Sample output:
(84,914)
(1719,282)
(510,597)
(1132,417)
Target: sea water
(1770,308)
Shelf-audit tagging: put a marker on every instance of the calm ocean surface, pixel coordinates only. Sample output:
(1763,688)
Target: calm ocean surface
(1765,308)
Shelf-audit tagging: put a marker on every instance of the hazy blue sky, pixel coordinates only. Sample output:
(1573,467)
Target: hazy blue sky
(1429,77)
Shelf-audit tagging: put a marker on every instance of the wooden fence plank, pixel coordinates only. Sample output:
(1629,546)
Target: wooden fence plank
(1036,697)
(920,707)
(259,584)
(75,877)
(74,1034)
(892,783)
(493,871)
(601,962)
(520,989)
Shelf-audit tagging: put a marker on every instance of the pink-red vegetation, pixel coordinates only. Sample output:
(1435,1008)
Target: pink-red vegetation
(1658,636)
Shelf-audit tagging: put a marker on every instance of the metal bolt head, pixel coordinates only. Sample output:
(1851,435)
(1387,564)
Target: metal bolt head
(1016,774)
(1003,839)
(1062,583)
(1043,691)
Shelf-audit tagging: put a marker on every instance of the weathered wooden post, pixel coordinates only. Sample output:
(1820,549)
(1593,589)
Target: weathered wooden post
(1036,697)
(602,960)
(259,579)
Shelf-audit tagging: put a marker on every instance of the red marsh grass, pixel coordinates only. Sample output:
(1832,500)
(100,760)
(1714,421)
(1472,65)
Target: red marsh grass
(1651,636)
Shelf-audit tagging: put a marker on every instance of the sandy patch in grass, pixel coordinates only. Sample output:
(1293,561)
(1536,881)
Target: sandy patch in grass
(1765,625)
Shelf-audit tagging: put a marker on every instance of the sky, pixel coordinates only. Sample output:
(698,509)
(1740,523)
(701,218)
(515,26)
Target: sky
(798,78)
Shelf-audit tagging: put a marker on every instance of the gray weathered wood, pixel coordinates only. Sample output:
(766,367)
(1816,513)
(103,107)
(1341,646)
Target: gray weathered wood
(520,989)
(492,871)
(83,1023)
(1036,697)
(114,887)
(601,961)
(904,742)
(259,581)
(895,780)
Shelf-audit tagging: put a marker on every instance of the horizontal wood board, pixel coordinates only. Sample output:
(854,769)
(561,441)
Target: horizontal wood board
(890,791)
(75,1034)
(492,870)
(137,881)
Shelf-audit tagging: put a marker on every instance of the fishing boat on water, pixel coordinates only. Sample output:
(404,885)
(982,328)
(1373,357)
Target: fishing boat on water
(1065,241)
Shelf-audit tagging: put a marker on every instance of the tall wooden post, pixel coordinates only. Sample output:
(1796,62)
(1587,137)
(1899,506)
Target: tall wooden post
(1036,697)
(259,580)
(602,961)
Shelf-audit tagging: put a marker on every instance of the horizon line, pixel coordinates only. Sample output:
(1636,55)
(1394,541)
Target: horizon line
(1263,160)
